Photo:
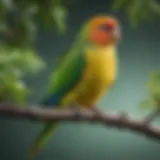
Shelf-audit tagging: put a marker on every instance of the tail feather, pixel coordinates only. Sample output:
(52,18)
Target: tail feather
(42,139)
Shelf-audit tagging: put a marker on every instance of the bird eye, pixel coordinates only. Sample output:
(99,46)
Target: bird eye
(105,27)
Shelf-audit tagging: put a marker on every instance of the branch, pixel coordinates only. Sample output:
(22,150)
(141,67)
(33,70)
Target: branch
(114,120)
(152,116)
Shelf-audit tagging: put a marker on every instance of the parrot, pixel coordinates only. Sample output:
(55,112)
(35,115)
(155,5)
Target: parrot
(84,73)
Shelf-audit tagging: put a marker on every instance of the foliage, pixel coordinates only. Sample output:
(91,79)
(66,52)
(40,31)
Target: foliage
(153,100)
(19,21)
(14,66)
(138,10)
(22,17)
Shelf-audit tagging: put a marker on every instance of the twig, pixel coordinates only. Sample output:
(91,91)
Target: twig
(151,116)
(114,120)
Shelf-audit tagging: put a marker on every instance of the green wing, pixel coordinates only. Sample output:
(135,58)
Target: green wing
(66,75)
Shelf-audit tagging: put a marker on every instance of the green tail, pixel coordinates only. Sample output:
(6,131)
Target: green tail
(42,139)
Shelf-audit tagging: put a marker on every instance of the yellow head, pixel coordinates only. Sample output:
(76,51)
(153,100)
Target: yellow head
(103,30)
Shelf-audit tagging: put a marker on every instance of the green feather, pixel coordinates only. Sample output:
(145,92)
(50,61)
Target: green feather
(71,65)
(65,77)
(69,70)
(42,138)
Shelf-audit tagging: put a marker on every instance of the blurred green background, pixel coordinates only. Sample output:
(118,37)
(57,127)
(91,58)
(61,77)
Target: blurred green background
(33,34)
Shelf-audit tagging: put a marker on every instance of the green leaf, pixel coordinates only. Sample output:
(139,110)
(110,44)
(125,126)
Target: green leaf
(155,7)
(119,4)
(44,16)
(3,9)
(138,10)
(26,60)
(18,92)
(147,104)
(30,62)
(134,10)
(14,65)
(17,56)
(154,84)
(59,15)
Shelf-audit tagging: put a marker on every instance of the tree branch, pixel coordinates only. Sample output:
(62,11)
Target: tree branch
(121,121)
(152,116)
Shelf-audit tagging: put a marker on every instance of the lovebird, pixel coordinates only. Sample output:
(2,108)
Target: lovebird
(84,74)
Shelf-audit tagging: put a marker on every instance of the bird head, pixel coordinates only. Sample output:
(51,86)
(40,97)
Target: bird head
(103,30)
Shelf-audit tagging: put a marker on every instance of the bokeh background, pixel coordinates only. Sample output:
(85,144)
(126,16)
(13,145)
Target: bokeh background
(139,54)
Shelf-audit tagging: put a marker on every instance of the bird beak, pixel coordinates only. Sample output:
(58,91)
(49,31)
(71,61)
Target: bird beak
(116,34)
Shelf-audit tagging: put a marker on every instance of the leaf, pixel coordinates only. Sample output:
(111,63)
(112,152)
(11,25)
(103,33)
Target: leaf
(27,60)
(44,16)
(155,7)
(13,89)
(25,32)
(154,83)
(138,10)
(59,15)
(119,4)
(19,92)
(17,56)
(14,65)
(3,9)
(147,104)
(134,11)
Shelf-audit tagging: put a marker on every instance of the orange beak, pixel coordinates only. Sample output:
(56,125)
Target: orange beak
(116,34)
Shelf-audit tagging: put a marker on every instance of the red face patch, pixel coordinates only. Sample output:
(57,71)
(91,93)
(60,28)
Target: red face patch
(99,37)
(102,30)
(111,23)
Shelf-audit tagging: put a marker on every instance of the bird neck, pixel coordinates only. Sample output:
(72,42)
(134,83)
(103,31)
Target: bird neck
(99,47)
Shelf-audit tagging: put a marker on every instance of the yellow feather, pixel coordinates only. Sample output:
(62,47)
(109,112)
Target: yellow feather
(99,75)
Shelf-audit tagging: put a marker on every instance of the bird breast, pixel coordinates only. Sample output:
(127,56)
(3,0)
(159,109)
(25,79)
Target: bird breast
(99,75)
(101,64)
